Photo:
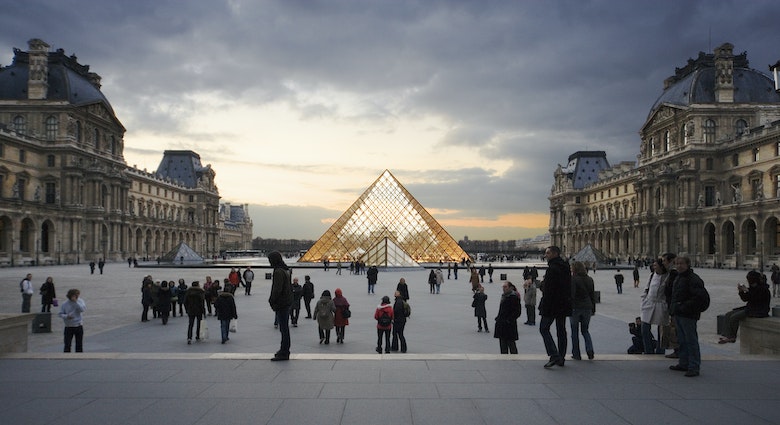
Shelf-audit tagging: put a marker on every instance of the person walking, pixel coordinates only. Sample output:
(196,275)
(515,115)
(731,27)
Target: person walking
(619,279)
(372,275)
(555,305)
(689,299)
(474,279)
(295,309)
(280,301)
(384,322)
(482,273)
(401,311)
(636,278)
(341,318)
(439,280)
(324,312)
(71,312)
(584,306)
(308,294)
(225,310)
(480,312)
(210,293)
(775,278)
(27,292)
(48,294)
(506,320)
(195,305)
(490,272)
(249,277)
(101,264)
(146,298)
(432,281)
(181,292)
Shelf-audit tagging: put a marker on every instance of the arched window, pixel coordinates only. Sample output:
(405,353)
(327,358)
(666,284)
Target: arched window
(20,124)
(52,125)
(739,127)
(709,131)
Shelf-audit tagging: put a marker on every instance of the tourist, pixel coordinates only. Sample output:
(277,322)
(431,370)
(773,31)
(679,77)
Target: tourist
(757,296)
(482,274)
(101,264)
(688,301)
(670,338)
(181,292)
(27,292)
(555,305)
(194,304)
(529,299)
(636,278)
(280,301)
(583,307)
(654,308)
(208,294)
(324,312)
(48,294)
(474,279)
(401,311)
(308,294)
(384,322)
(619,279)
(249,277)
(225,310)
(775,280)
(146,298)
(506,320)
(341,319)
(372,275)
(403,288)
(71,312)
(439,280)
(164,302)
(480,312)
(490,272)
(432,281)
(234,278)
(295,309)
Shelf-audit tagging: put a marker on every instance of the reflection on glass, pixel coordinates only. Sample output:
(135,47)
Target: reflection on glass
(386,226)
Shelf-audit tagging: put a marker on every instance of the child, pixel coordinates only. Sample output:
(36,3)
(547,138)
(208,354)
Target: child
(70,312)
(479,308)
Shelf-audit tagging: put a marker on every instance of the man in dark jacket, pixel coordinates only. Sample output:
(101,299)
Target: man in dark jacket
(555,305)
(308,294)
(688,295)
(758,298)
(281,300)
(399,322)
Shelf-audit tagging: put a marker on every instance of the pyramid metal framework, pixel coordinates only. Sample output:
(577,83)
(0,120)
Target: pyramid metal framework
(386,215)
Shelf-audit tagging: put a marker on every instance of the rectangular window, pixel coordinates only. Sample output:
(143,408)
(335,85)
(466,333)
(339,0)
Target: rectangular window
(21,184)
(22,156)
(149,189)
(777,150)
(710,164)
(158,191)
(2,149)
(709,196)
(576,199)
(50,160)
(735,159)
(756,154)
(192,198)
(51,193)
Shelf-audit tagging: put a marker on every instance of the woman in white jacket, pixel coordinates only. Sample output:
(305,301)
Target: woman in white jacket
(654,308)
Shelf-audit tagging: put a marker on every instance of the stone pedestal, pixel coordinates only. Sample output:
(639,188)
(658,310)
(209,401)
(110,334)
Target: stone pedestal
(760,336)
(14,330)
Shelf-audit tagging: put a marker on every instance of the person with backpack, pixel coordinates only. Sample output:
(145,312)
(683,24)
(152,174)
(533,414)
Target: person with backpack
(401,311)
(27,292)
(384,322)
(295,309)
(324,312)
(689,300)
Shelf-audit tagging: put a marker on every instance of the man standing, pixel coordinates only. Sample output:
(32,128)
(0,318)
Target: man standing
(101,264)
(249,276)
(556,304)
(308,294)
(281,300)
(689,298)
(372,276)
(619,282)
(27,292)
(71,313)
(490,272)
(400,310)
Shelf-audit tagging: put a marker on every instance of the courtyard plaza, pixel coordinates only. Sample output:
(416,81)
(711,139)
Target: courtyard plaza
(133,371)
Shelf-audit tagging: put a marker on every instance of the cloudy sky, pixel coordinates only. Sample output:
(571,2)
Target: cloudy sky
(300,105)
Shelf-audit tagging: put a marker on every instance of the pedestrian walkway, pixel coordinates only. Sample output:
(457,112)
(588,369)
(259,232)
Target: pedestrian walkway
(135,372)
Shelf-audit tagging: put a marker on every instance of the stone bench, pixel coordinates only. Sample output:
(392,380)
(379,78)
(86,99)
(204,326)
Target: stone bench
(14,329)
(760,336)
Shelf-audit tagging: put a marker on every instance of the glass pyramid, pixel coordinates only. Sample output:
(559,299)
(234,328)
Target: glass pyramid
(386,226)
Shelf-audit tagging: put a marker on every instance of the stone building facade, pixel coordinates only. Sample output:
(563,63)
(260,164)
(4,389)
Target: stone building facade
(66,193)
(707,180)
(235,231)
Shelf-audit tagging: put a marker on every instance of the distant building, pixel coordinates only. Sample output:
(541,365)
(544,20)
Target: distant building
(235,227)
(66,193)
(707,180)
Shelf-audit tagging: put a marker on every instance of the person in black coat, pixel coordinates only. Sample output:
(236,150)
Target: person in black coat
(480,312)
(758,298)
(308,295)
(280,300)
(164,302)
(403,288)
(295,310)
(688,301)
(555,306)
(506,321)
(225,307)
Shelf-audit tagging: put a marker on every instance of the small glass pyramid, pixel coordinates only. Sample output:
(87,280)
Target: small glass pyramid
(386,227)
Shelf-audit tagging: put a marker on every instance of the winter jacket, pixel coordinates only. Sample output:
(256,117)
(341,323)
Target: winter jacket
(341,304)
(164,300)
(758,299)
(655,311)
(388,308)
(324,313)
(506,321)
(225,306)
(556,289)
(281,290)
(399,310)
(297,293)
(195,301)
(582,293)
(687,294)
(479,304)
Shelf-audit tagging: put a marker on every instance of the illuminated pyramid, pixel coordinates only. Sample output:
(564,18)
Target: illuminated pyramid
(386,226)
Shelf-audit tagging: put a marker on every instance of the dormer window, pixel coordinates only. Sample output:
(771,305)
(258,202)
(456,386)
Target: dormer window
(20,124)
(709,131)
(739,127)
(667,141)
(51,128)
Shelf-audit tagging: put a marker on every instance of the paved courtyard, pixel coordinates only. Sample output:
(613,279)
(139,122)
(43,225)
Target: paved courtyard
(132,371)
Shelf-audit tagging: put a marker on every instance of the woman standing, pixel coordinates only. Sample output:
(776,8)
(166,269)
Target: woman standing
(432,281)
(324,311)
(583,307)
(207,288)
(654,310)
(474,279)
(480,312)
(47,295)
(506,320)
(384,322)
(340,321)
(225,310)
(181,290)
(164,302)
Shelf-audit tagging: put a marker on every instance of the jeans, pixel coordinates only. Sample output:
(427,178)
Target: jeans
(74,331)
(530,311)
(398,335)
(224,327)
(647,340)
(26,302)
(294,314)
(438,287)
(283,320)
(190,324)
(733,318)
(507,346)
(371,288)
(580,320)
(480,321)
(379,334)
(559,352)
(687,336)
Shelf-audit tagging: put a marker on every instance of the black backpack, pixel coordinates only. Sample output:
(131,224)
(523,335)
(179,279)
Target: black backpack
(385,319)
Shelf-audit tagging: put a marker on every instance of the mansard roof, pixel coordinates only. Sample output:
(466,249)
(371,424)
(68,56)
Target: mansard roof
(584,166)
(182,166)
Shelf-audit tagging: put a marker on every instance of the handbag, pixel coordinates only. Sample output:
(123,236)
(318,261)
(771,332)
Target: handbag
(233,324)
(346,313)
(204,330)
(55,302)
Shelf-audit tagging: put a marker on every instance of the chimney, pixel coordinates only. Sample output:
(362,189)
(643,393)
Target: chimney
(776,73)
(38,78)
(724,73)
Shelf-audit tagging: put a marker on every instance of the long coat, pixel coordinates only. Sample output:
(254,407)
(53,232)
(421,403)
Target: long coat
(341,303)
(479,304)
(324,313)
(556,289)
(195,301)
(506,321)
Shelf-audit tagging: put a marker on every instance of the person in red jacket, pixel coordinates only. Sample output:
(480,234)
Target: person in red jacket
(384,322)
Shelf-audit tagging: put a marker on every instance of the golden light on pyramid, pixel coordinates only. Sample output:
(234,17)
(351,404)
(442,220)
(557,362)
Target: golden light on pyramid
(386,226)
